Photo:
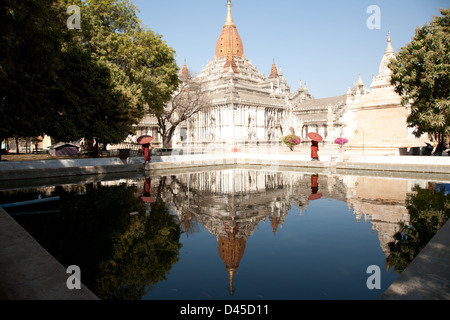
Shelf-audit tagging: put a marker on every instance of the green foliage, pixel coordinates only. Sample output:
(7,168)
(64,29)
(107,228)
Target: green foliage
(421,75)
(69,84)
(31,34)
(121,256)
(129,254)
(143,66)
(429,210)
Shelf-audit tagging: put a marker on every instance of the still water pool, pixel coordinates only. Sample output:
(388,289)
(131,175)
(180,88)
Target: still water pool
(234,234)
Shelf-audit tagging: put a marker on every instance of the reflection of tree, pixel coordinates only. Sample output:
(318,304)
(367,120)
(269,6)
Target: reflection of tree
(429,210)
(121,256)
(178,194)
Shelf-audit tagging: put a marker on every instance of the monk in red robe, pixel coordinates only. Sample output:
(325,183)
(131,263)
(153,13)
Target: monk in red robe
(314,150)
(314,183)
(147,153)
(147,184)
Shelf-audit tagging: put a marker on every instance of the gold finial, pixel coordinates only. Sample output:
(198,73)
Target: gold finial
(231,273)
(389,48)
(229,21)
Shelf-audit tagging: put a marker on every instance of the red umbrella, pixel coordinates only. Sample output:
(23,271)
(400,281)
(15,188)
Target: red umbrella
(315,136)
(148,199)
(144,139)
(315,196)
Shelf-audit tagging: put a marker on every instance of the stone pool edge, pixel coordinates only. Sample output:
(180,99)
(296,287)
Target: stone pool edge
(79,167)
(28,271)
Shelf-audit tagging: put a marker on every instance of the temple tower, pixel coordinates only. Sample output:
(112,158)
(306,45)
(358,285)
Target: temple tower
(229,40)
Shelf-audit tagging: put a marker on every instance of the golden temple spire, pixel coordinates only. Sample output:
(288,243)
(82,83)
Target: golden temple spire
(185,71)
(229,39)
(229,20)
(273,71)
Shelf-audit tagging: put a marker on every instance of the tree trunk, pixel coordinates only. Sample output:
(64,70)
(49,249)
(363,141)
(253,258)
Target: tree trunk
(167,137)
(96,148)
(166,142)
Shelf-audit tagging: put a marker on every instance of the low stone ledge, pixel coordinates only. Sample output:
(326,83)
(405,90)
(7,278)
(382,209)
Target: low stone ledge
(55,164)
(397,167)
(427,277)
(78,167)
(64,172)
(28,271)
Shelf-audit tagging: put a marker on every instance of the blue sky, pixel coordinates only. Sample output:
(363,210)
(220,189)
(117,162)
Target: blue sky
(324,43)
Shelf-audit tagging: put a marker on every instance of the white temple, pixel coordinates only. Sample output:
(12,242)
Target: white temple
(246,107)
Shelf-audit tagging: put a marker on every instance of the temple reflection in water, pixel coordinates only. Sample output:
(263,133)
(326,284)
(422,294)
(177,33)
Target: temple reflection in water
(231,204)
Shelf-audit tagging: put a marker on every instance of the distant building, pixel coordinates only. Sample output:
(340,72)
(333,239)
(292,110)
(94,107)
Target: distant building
(27,145)
(377,119)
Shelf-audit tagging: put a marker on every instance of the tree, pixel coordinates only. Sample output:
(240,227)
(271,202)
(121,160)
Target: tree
(69,84)
(130,67)
(142,65)
(429,210)
(421,76)
(186,101)
(31,34)
(93,107)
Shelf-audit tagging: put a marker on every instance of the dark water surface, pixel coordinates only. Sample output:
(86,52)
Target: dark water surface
(243,234)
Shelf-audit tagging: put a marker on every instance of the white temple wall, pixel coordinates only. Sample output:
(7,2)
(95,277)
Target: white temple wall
(231,122)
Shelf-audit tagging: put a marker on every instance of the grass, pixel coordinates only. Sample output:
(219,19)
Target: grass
(31,156)
(46,156)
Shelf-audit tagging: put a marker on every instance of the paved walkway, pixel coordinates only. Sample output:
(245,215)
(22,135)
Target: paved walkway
(330,160)
(428,276)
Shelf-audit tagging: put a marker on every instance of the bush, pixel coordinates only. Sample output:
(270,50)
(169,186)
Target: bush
(291,141)
(341,141)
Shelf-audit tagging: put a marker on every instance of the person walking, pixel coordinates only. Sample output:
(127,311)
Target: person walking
(144,141)
(147,153)
(314,151)
(315,139)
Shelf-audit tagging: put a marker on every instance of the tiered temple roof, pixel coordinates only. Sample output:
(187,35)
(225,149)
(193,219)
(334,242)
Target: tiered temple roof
(229,39)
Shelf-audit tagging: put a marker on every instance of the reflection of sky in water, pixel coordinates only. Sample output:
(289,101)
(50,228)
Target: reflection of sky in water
(443,186)
(322,254)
